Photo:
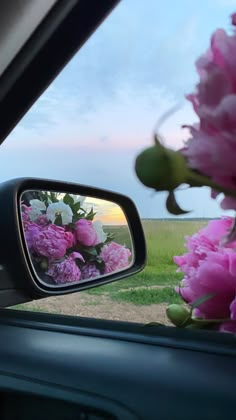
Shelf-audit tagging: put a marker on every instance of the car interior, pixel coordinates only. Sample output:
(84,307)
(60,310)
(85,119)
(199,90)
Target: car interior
(64,367)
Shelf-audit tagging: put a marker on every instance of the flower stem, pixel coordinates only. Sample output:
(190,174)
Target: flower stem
(196,180)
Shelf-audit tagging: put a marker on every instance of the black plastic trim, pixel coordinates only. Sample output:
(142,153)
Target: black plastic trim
(21,273)
(148,378)
(164,336)
(25,387)
(64,30)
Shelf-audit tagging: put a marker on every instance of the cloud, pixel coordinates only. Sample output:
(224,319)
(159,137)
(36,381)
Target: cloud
(103,108)
(126,123)
(225,3)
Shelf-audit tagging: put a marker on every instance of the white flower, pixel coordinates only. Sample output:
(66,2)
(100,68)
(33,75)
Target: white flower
(37,207)
(38,204)
(62,209)
(77,199)
(102,236)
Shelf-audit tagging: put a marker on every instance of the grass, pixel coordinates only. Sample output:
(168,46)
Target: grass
(149,277)
(165,238)
(122,235)
(147,296)
(27,307)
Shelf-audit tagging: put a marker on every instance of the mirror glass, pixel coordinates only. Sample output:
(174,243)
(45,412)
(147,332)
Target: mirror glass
(71,238)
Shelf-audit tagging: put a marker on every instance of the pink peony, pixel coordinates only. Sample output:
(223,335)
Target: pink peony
(50,241)
(200,244)
(215,104)
(115,257)
(42,220)
(233,19)
(217,229)
(215,274)
(66,271)
(25,216)
(228,327)
(31,233)
(85,233)
(90,271)
(233,309)
(210,268)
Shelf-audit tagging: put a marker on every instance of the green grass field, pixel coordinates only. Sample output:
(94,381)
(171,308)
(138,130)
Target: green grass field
(165,238)
(155,284)
(122,235)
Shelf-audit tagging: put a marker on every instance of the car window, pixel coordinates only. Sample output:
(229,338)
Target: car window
(90,124)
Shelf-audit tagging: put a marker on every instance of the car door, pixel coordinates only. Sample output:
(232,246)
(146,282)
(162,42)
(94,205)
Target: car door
(65,367)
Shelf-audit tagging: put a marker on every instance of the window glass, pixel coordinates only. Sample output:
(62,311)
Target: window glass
(92,121)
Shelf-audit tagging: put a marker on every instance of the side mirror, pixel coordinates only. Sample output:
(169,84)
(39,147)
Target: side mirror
(61,238)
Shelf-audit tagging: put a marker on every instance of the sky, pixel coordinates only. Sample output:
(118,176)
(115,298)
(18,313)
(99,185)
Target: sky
(91,123)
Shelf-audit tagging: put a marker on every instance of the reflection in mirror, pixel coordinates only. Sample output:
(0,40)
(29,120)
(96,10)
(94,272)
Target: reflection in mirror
(71,238)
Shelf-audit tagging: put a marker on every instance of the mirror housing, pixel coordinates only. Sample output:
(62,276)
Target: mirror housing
(19,281)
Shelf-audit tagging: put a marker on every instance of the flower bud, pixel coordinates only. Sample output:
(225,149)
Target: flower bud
(161,168)
(177,314)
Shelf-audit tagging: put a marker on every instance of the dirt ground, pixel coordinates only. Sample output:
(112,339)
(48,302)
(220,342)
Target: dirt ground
(87,305)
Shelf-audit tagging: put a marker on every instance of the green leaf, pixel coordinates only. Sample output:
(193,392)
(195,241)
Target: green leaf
(210,321)
(42,196)
(98,248)
(75,218)
(91,212)
(76,207)
(91,251)
(67,199)
(90,215)
(110,237)
(172,205)
(202,299)
(53,197)
(71,226)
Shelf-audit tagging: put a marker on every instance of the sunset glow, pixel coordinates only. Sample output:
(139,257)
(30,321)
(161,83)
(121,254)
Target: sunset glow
(104,107)
(115,216)
(107,212)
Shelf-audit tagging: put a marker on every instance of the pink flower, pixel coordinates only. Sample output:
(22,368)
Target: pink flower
(215,104)
(115,257)
(216,274)
(210,268)
(31,233)
(200,244)
(50,241)
(90,271)
(42,220)
(77,256)
(85,233)
(26,209)
(228,327)
(66,271)
(25,216)
(233,19)
(233,309)
(217,229)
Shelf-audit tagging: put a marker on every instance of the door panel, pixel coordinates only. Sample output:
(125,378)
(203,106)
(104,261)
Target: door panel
(116,368)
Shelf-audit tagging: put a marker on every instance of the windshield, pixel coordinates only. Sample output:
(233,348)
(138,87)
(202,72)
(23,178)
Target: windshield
(90,124)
